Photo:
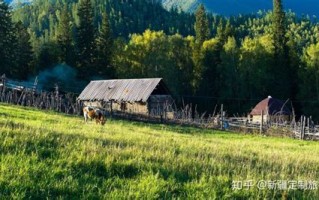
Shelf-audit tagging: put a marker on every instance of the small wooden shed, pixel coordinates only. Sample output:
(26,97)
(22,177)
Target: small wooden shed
(18,85)
(138,96)
(273,110)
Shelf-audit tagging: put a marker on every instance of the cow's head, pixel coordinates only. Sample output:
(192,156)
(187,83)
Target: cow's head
(101,119)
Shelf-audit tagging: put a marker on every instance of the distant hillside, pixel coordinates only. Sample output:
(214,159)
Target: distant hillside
(231,7)
(126,17)
(17,2)
(234,7)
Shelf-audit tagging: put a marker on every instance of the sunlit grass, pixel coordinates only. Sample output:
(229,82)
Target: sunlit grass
(46,154)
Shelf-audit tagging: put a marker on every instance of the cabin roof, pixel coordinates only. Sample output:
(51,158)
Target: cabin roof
(271,106)
(123,90)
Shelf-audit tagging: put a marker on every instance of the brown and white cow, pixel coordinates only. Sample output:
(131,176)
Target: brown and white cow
(94,113)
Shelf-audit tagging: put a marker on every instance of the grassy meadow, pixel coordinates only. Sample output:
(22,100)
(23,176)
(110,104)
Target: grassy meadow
(48,155)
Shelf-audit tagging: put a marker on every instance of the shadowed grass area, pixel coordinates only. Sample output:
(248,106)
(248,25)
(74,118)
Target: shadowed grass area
(48,155)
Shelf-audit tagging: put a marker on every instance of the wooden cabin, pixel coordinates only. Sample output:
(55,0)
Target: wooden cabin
(270,110)
(138,96)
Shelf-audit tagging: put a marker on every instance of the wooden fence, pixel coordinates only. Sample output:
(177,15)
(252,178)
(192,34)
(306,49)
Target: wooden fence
(304,129)
(65,103)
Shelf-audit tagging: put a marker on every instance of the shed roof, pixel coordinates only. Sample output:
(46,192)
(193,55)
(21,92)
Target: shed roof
(128,90)
(271,106)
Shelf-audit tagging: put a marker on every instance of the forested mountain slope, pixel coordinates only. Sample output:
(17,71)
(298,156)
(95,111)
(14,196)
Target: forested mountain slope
(126,16)
(231,7)
(235,7)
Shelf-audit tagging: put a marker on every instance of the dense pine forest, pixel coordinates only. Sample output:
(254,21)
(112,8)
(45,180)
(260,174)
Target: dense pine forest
(205,59)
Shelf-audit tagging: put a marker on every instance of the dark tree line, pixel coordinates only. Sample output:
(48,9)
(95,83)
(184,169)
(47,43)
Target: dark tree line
(204,59)
(15,48)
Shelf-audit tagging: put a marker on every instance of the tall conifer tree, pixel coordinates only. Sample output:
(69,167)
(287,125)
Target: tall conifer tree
(104,44)
(279,31)
(281,61)
(23,52)
(202,34)
(6,40)
(64,37)
(85,35)
(201,25)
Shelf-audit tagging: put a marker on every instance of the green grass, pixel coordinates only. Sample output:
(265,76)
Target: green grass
(48,155)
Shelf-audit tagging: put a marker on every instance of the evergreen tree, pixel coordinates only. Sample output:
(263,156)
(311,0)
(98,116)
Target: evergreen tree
(64,37)
(279,29)
(48,56)
(23,52)
(7,40)
(85,36)
(224,32)
(280,69)
(201,25)
(202,33)
(104,44)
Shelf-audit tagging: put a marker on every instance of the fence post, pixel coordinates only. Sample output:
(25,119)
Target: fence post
(301,127)
(35,84)
(308,124)
(303,122)
(111,112)
(3,80)
(262,122)
(222,117)
(304,127)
